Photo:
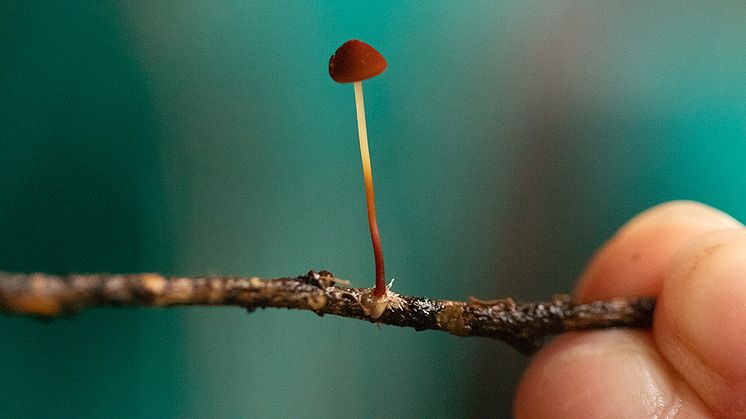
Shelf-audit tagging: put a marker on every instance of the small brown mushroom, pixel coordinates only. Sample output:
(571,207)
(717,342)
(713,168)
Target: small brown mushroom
(353,62)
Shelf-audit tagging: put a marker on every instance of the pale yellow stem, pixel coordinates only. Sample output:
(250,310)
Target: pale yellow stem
(370,198)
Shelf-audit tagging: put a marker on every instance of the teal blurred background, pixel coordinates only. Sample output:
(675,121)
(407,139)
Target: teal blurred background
(508,139)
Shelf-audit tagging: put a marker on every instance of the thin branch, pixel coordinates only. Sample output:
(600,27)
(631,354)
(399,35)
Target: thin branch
(524,326)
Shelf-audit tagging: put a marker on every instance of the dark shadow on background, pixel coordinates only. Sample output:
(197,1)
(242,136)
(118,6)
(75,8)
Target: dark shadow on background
(549,218)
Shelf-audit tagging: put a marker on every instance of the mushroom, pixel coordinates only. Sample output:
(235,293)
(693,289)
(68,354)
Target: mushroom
(354,62)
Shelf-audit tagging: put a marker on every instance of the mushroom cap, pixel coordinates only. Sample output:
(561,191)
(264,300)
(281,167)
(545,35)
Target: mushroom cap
(355,61)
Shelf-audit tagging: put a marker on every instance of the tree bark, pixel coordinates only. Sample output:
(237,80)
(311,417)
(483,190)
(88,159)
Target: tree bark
(524,326)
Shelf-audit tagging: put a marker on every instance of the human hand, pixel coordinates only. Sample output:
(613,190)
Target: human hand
(692,363)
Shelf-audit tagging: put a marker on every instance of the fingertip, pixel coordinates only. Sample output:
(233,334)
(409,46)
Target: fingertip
(633,261)
(610,373)
(700,325)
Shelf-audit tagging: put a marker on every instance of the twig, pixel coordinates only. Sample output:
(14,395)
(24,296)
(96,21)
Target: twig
(524,326)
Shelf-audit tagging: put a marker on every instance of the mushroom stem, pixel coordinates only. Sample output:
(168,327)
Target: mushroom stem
(380,289)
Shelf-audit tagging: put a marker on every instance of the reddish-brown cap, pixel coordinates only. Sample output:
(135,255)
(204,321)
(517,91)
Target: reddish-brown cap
(355,61)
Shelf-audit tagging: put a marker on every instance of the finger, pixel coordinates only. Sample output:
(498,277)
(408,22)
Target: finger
(620,373)
(700,322)
(633,261)
(611,373)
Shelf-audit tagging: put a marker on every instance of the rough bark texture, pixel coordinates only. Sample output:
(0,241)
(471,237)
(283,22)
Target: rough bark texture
(524,326)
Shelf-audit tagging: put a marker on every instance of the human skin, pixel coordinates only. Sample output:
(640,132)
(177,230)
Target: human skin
(692,363)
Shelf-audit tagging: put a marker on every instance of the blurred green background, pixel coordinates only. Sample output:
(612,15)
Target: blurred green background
(508,140)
